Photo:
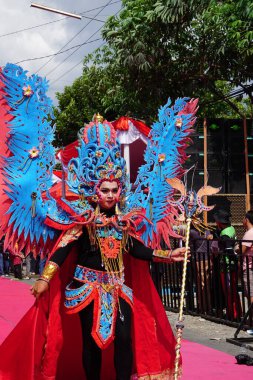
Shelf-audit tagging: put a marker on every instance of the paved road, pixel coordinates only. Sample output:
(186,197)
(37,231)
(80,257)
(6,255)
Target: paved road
(210,334)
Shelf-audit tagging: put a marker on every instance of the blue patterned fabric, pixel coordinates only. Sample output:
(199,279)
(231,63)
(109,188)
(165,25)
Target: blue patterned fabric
(107,317)
(73,297)
(97,277)
(128,292)
(104,232)
(105,290)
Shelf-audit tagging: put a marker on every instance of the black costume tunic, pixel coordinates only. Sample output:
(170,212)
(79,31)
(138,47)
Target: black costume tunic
(90,258)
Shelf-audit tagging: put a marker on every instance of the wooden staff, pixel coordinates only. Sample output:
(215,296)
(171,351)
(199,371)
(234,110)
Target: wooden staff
(180,323)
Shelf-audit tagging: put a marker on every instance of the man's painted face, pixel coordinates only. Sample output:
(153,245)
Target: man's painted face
(108,194)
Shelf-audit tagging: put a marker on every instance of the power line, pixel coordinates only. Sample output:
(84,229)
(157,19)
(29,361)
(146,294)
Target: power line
(87,41)
(232,95)
(32,27)
(101,6)
(61,19)
(73,67)
(61,52)
(85,26)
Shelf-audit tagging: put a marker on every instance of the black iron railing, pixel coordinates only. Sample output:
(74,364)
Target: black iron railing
(218,284)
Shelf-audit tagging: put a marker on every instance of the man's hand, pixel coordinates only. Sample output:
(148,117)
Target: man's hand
(237,248)
(179,253)
(39,288)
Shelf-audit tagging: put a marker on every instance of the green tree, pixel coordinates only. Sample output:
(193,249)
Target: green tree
(198,48)
(180,47)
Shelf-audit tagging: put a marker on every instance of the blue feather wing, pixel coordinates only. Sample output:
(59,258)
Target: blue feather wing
(29,162)
(164,158)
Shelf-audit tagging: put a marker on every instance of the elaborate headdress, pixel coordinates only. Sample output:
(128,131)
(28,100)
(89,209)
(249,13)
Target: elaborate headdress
(99,158)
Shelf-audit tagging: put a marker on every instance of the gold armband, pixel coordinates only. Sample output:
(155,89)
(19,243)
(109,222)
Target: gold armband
(49,271)
(163,255)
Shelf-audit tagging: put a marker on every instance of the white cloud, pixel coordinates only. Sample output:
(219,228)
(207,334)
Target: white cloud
(49,39)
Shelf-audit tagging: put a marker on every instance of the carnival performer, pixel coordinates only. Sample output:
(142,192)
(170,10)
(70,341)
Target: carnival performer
(101,236)
(98,291)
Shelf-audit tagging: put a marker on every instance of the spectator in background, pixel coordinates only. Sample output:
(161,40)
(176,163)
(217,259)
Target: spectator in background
(28,266)
(247,252)
(226,235)
(6,261)
(38,261)
(42,262)
(33,265)
(199,245)
(17,260)
(35,262)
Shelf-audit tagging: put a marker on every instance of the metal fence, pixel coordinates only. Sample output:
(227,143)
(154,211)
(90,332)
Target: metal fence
(218,285)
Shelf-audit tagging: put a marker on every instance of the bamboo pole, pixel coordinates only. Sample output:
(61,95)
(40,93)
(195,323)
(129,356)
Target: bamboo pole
(180,323)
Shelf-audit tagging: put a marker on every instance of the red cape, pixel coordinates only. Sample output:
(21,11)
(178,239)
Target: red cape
(46,344)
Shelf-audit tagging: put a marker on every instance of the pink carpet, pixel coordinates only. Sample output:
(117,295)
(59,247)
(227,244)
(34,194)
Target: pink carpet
(204,363)
(15,300)
(199,362)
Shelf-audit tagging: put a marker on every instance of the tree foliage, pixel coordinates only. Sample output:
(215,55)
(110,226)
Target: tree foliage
(157,49)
